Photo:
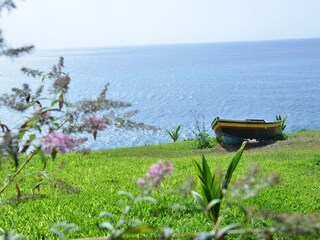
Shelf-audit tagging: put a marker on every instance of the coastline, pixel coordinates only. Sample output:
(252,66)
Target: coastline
(190,143)
(169,85)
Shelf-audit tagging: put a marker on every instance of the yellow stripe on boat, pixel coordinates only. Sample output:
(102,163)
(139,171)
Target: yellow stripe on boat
(246,125)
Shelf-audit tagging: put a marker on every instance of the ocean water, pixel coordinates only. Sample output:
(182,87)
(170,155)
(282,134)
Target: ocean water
(171,84)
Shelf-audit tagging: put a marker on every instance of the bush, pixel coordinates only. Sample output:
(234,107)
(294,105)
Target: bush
(201,134)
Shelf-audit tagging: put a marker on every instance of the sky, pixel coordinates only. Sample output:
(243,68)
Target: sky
(61,24)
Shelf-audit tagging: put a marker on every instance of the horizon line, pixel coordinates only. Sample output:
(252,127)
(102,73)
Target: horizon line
(173,44)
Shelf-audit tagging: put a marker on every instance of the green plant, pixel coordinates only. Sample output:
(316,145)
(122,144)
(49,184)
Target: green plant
(174,134)
(201,134)
(213,187)
(53,119)
(125,224)
(5,235)
(283,122)
(282,135)
(63,229)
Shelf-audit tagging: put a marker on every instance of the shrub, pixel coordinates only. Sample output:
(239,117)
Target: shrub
(201,135)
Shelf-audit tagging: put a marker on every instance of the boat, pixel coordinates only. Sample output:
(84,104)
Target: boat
(234,132)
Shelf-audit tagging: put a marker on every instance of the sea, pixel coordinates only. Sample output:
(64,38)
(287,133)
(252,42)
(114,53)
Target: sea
(179,84)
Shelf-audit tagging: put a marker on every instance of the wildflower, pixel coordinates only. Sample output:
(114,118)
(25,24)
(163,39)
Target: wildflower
(156,174)
(141,181)
(96,123)
(62,83)
(158,171)
(57,142)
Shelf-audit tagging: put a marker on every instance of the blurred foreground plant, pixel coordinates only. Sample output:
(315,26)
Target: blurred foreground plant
(5,50)
(52,122)
(125,225)
(5,235)
(155,175)
(63,229)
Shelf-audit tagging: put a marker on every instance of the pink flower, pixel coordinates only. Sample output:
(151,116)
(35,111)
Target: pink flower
(141,181)
(96,123)
(58,142)
(156,174)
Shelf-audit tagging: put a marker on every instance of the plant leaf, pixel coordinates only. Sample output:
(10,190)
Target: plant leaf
(126,194)
(168,131)
(205,236)
(61,100)
(142,228)
(177,134)
(206,191)
(232,166)
(207,176)
(21,133)
(107,225)
(203,176)
(43,159)
(14,155)
(54,153)
(167,232)
(199,199)
(198,168)
(216,187)
(139,199)
(37,186)
(54,102)
(108,214)
(213,203)
(224,231)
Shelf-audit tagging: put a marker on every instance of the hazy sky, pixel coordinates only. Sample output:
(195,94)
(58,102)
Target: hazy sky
(99,23)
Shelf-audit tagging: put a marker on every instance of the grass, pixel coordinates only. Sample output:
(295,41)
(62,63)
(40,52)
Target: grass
(101,174)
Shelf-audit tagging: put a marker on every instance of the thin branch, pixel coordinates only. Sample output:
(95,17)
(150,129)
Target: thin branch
(17,172)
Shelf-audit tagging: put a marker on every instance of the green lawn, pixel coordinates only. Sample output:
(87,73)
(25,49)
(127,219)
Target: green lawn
(101,174)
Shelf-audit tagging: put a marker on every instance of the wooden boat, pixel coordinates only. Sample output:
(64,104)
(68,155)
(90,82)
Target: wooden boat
(234,132)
